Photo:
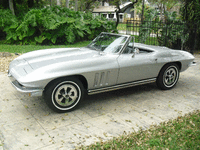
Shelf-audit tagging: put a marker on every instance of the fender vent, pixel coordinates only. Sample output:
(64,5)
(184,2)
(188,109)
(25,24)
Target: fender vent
(101,79)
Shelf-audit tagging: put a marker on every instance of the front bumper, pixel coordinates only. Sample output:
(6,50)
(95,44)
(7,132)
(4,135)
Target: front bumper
(29,90)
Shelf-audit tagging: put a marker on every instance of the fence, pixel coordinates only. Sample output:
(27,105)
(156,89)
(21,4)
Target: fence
(173,35)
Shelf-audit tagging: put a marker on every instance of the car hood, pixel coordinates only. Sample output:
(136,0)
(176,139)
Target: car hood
(35,68)
(43,58)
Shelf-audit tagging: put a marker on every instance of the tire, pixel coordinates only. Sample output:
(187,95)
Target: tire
(168,76)
(64,95)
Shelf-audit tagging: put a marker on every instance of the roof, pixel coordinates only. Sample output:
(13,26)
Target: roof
(106,9)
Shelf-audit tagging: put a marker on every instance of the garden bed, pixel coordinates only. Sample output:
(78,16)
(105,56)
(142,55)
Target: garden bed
(5,59)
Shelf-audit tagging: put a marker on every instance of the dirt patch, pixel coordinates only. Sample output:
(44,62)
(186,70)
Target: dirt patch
(5,59)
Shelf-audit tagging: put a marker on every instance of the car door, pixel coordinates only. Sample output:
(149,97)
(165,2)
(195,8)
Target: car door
(135,67)
(102,71)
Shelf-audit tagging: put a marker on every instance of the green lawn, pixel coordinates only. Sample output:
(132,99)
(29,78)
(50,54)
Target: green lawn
(121,26)
(28,48)
(181,133)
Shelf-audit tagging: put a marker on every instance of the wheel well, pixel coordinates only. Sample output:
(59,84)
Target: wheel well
(179,64)
(176,62)
(80,77)
(83,80)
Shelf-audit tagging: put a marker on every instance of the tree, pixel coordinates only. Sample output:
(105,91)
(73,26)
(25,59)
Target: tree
(51,2)
(11,6)
(58,2)
(117,3)
(164,5)
(76,5)
(142,11)
(190,14)
(67,3)
(19,7)
(88,5)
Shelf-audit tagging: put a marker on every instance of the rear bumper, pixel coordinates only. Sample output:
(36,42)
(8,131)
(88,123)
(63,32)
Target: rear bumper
(29,90)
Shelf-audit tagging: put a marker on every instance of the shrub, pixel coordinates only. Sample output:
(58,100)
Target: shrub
(56,25)
(6,19)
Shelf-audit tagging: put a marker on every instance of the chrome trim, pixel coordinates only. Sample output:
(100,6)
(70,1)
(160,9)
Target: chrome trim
(193,63)
(125,45)
(121,86)
(30,91)
(12,79)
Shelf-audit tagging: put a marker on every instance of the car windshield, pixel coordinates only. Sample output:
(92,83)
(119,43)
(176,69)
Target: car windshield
(109,43)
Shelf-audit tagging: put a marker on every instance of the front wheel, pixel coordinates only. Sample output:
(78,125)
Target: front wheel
(168,76)
(64,94)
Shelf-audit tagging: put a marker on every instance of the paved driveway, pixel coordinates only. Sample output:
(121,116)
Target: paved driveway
(27,123)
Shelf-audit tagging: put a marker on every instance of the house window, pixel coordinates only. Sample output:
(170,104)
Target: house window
(104,15)
(111,15)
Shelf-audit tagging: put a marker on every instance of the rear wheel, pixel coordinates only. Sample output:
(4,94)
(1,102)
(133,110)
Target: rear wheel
(64,94)
(168,76)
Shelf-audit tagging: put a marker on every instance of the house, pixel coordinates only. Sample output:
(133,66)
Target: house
(109,11)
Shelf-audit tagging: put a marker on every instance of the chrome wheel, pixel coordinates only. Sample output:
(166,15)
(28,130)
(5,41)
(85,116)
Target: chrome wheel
(64,94)
(170,76)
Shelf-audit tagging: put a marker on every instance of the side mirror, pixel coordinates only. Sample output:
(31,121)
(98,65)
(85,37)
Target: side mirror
(135,51)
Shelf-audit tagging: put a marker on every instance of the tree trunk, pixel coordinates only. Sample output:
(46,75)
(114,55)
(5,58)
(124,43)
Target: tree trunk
(117,22)
(161,13)
(76,5)
(58,2)
(117,14)
(51,2)
(142,18)
(11,6)
(67,3)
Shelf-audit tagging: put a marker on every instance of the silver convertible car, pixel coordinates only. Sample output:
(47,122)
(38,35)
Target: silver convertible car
(111,61)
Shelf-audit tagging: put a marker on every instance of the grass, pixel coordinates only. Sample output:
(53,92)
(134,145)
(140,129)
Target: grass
(181,133)
(28,48)
(121,26)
